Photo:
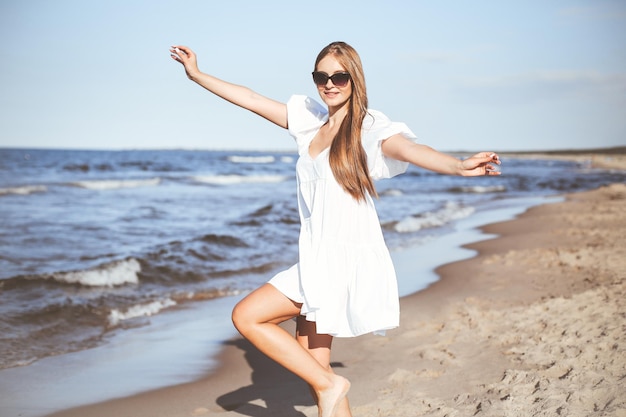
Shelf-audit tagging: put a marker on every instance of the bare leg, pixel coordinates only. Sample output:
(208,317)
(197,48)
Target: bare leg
(257,317)
(319,346)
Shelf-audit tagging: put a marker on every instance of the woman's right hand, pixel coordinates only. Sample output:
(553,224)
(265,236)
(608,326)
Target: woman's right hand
(187,58)
(241,96)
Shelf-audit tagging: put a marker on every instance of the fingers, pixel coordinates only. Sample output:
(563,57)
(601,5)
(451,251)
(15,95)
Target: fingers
(181,49)
(180,53)
(175,53)
(484,163)
(495,158)
(491,170)
(488,157)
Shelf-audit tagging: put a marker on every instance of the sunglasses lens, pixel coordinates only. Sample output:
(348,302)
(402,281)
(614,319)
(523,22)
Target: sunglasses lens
(320,78)
(339,79)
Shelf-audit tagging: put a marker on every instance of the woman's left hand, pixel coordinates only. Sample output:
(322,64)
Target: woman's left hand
(483,163)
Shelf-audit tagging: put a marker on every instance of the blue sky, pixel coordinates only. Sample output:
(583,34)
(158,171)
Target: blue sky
(480,75)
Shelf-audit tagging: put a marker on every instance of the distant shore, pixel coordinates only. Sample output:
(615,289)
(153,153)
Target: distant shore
(608,158)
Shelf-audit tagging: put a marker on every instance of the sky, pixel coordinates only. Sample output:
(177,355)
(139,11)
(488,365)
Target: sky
(480,75)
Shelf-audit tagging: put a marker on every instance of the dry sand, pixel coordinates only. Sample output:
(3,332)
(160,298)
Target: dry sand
(533,326)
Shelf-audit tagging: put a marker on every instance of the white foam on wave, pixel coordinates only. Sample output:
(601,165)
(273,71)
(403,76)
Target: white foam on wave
(251,159)
(139,310)
(287,159)
(450,212)
(25,362)
(480,189)
(238,179)
(23,190)
(116,184)
(392,192)
(107,275)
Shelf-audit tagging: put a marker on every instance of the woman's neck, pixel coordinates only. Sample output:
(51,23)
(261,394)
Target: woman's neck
(337,114)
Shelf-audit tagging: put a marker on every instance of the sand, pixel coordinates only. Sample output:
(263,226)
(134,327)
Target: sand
(535,325)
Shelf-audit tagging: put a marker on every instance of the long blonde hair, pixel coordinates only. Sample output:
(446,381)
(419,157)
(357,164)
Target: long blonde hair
(347,158)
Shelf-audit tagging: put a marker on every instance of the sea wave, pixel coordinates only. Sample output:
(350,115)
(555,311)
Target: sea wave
(23,190)
(478,189)
(140,310)
(238,179)
(450,212)
(207,294)
(116,184)
(20,362)
(106,275)
(251,159)
(88,167)
(392,192)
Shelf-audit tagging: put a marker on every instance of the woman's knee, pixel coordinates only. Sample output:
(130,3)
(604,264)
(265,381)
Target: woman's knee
(263,305)
(241,317)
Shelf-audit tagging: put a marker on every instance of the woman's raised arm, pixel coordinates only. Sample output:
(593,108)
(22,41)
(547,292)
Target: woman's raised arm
(402,149)
(274,111)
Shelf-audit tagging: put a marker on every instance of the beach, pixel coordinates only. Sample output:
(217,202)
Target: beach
(534,325)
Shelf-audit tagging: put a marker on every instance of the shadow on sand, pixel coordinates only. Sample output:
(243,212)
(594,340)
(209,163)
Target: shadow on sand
(279,390)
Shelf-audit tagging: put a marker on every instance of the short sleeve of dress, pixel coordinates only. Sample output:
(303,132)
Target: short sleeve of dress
(376,128)
(304,118)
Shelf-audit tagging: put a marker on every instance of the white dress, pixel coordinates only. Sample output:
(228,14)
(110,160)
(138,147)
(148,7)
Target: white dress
(344,279)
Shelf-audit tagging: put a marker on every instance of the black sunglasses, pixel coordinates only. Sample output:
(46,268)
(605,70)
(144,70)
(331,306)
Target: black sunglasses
(339,79)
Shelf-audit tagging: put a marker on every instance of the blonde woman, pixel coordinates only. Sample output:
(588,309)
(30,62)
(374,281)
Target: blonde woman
(344,283)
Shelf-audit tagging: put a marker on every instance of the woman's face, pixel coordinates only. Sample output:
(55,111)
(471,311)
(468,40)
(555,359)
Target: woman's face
(334,96)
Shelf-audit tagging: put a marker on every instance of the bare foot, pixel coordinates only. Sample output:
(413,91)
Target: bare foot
(329,399)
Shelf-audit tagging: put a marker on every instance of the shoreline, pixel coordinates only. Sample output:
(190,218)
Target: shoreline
(514,329)
(183,344)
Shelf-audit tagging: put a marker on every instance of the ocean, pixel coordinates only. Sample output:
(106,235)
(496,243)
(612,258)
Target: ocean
(96,245)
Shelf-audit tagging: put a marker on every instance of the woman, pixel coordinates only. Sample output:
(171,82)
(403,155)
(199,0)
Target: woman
(344,283)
